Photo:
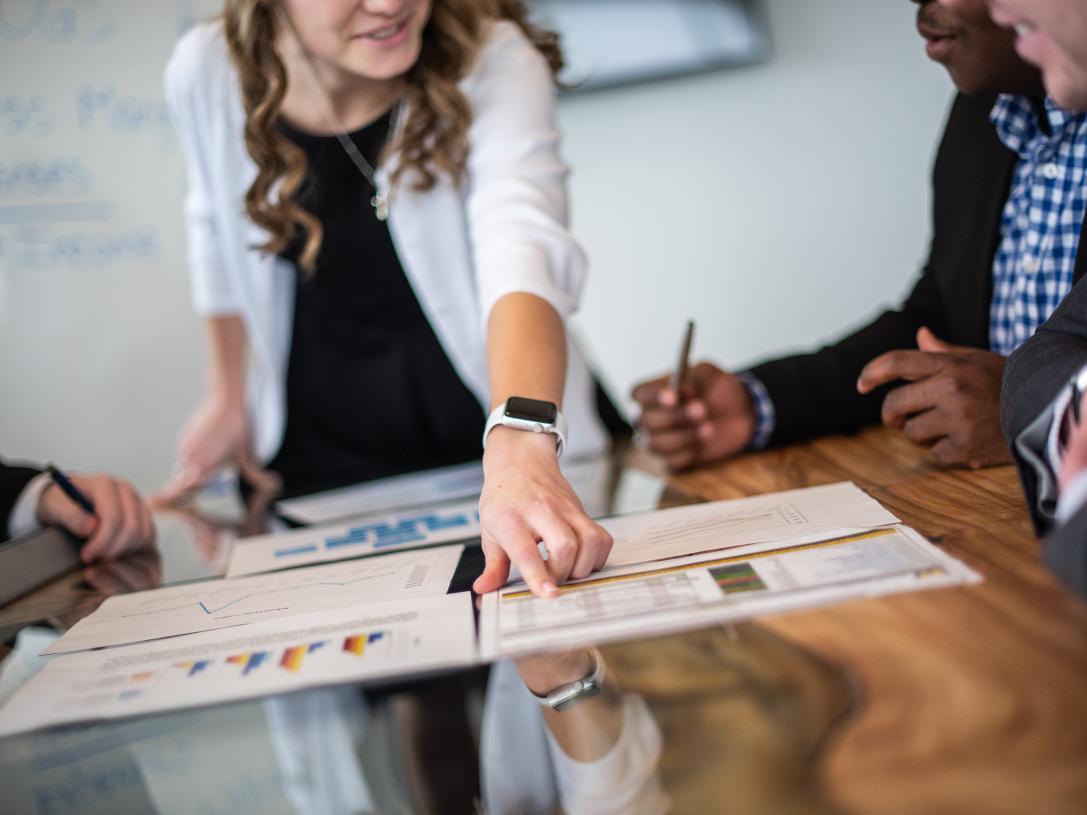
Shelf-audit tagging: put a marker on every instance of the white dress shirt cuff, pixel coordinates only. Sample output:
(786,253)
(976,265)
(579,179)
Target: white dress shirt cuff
(1073,497)
(1061,406)
(24,515)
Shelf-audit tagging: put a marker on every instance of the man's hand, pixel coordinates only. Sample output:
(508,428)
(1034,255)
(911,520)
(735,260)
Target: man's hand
(121,523)
(715,417)
(952,401)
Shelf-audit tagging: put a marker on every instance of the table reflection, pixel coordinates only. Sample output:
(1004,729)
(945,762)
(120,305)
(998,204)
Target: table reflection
(467,741)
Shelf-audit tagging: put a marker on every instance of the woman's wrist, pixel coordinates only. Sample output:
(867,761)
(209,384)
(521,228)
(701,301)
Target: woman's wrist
(544,674)
(504,441)
(226,398)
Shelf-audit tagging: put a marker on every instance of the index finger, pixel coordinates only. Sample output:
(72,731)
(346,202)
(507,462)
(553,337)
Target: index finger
(896,365)
(107,509)
(525,554)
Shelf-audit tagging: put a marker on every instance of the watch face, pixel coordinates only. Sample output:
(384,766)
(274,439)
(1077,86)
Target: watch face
(531,410)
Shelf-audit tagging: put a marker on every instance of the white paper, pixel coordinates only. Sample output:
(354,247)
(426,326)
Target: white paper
(361,642)
(213,604)
(812,513)
(374,534)
(591,479)
(695,591)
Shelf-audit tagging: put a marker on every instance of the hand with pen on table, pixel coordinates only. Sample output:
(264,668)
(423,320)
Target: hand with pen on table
(695,415)
(106,511)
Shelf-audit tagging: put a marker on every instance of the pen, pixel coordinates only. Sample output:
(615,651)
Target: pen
(70,489)
(684,360)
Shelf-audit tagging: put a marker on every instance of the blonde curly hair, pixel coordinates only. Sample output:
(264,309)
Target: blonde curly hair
(433,140)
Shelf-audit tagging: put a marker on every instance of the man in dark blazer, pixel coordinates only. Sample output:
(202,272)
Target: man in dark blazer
(1043,405)
(121,522)
(944,394)
(1043,385)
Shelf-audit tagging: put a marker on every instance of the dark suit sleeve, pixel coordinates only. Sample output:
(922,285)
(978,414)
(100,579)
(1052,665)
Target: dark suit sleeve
(12,482)
(1065,552)
(816,393)
(1034,377)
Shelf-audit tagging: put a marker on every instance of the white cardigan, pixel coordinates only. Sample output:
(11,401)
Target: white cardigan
(462,248)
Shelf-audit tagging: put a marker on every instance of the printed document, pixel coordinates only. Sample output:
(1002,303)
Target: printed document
(211,604)
(691,592)
(426,526)
(372,535)
(794,516)
(349,644)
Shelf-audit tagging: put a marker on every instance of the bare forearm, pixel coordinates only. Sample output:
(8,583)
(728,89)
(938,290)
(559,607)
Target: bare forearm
(526,350)
(226,358)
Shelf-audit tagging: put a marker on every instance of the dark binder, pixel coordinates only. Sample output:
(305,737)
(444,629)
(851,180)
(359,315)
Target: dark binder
(34,559)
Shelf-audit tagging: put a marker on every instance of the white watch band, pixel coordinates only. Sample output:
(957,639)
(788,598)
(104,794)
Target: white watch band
(498,418)
(565,695)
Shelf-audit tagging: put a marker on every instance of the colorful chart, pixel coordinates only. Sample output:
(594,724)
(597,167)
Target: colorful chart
(406,530)
(193,666)
(737,578)
(292,657)
(356,644)
(249,662)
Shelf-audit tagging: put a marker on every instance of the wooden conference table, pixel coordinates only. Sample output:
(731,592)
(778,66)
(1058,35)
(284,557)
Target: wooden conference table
(963,700)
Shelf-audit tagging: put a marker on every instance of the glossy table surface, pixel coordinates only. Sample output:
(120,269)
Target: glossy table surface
(961,700)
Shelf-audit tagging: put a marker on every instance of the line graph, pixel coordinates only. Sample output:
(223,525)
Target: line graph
(211,604)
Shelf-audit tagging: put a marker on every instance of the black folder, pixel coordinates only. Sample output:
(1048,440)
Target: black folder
(34,559)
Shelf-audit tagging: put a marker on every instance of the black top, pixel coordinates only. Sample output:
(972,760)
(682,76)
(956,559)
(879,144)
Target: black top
(816,393)
(13,481)
(370,391)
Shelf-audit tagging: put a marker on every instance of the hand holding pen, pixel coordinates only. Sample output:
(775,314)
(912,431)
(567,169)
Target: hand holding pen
(107,512)
(697,414)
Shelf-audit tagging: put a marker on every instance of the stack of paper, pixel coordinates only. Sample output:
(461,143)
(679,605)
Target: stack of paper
(388,614)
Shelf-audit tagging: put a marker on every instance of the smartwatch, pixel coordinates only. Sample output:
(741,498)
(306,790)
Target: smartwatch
(533,415)
(566,695)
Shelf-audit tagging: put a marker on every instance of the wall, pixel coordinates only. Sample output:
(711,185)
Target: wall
(774,204)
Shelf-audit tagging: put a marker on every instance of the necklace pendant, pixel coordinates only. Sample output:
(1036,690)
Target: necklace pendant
(381,207)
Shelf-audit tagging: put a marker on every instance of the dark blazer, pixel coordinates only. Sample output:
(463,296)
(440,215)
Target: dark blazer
(1036,374)
(815,394)
(1065,552)
(12,482)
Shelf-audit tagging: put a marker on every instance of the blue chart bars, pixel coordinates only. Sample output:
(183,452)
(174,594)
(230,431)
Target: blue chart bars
(414,529)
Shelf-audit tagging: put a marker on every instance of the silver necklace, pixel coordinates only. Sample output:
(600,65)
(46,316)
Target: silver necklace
(380,199)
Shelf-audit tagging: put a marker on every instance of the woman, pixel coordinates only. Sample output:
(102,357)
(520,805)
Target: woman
(376,216)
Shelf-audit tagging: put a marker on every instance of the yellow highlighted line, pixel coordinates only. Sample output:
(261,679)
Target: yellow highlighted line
(601,581)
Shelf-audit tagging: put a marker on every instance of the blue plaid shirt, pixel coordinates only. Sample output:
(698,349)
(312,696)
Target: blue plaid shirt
(1040,226)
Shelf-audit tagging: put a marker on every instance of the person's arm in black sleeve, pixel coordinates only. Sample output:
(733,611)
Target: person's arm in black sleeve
(13,480)
(1036,382)
(816,394)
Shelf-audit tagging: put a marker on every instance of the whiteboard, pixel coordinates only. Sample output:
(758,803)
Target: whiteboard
(100,353)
